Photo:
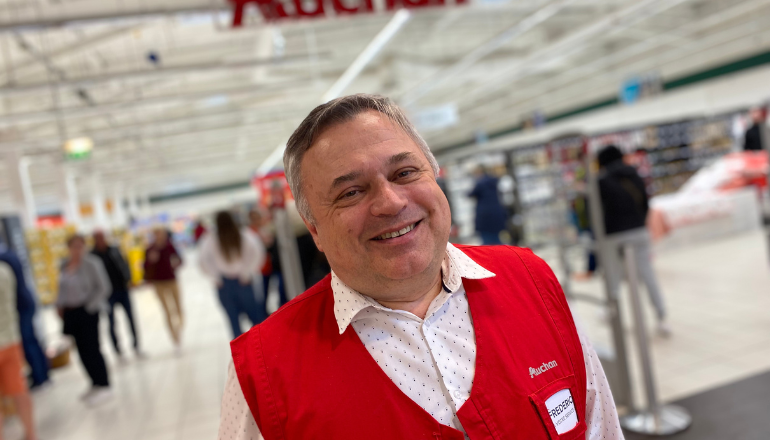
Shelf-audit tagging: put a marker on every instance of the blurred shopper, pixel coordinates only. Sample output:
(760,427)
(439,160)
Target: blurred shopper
(161,261)
(583,219)
(198,231)
(260,224)
(232,257)
(490,213)
(12,382)
(26,307)
(120,277)
(386,347)
(625,206)
(83,291)
(756,135)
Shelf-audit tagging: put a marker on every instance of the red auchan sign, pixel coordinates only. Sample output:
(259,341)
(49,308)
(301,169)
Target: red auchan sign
(274,10)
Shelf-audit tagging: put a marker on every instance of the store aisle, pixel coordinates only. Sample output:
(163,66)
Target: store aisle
(717,295)
(165,397)
(718,302)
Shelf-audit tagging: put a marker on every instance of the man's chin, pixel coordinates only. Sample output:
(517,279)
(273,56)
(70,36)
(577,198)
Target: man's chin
(403,268)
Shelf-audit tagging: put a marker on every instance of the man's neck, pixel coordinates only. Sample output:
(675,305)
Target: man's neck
(418,303)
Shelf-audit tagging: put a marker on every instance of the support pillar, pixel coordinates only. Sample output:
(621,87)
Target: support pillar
(68,196)
(21,188)
(101,221)
(118,211)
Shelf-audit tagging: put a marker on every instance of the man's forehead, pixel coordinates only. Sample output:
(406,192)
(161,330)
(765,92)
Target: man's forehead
(369,135)
(369,126)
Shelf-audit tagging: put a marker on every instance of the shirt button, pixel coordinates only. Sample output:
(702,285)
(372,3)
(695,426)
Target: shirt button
(458,394)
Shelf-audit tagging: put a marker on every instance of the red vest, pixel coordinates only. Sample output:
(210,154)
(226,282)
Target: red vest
(303,380)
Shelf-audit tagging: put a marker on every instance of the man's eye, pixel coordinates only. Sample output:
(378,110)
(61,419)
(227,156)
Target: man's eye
(405,173)
(349,194)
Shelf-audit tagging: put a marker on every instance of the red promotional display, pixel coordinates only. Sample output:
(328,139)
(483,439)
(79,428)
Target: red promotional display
(273,10)
(273,189)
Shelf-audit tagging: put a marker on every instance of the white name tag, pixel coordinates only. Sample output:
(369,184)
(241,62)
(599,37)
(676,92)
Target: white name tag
(561,408)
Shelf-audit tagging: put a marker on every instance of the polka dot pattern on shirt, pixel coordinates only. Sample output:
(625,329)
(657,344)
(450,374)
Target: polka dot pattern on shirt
(432,361)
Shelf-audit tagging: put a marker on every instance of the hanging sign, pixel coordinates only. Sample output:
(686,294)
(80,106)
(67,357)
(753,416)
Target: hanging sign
(275,10)
(435,118)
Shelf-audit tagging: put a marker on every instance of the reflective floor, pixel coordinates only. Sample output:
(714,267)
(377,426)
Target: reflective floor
(168,396)
(718,298)
(717,295)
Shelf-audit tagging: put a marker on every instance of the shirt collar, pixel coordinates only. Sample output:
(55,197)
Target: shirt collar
(456,266)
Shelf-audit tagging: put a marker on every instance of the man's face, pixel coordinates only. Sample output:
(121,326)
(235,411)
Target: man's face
(365,180)
(100,241)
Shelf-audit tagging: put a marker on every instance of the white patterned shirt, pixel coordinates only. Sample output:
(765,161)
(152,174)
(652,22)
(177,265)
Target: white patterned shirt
(431,360)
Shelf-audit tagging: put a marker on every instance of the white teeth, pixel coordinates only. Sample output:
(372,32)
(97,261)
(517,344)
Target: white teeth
(397,233)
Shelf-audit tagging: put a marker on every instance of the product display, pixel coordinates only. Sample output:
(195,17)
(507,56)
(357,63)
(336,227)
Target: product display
(668,155)
(47,247)
(550,177)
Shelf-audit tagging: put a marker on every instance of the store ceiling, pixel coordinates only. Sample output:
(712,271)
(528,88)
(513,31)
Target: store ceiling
(177,100)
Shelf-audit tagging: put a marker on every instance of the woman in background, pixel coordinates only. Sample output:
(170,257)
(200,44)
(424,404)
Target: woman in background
(160,264)
(232,257)
(83,291)
(261,225)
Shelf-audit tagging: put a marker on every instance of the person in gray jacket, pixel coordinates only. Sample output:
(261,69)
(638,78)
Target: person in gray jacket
(83,291)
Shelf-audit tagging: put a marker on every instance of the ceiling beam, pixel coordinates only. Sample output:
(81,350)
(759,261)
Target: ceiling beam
(65,13)
(264,91)
(163,71)
(600,69)
(84,43)
(141,128)
(566,47)
(429,83)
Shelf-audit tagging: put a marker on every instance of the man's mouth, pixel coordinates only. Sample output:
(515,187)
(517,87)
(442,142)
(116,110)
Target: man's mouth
(398,233)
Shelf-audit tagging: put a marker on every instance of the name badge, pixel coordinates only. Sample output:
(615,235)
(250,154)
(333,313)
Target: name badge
(561,408)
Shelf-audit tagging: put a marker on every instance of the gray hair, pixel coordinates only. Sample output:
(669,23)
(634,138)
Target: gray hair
(335,112)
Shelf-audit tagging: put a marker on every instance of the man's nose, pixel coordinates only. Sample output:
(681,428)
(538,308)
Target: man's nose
(388,201)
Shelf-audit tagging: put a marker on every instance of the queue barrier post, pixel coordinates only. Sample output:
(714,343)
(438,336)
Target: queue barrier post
(656,419)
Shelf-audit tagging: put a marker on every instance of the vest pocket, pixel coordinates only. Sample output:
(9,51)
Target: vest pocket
(560,409)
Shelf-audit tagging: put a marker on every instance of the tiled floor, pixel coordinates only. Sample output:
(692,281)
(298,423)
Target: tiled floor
(168,396)
(734,411)
(718,296)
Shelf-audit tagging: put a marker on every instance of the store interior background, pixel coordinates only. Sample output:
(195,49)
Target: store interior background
(185,112)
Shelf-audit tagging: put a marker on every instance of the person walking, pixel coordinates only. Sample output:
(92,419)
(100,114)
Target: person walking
(161,260)
(625,205)
(755,137)
(261,225)
(83,291)
(198,231)
(409,337)
(490,213)
(120,277)
(233,257)
(12,382)
(27,307)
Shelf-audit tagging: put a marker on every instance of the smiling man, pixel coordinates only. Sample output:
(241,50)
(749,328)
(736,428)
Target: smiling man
(410,337)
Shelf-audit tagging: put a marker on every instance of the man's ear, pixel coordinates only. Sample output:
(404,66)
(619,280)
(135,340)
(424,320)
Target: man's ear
(314,232)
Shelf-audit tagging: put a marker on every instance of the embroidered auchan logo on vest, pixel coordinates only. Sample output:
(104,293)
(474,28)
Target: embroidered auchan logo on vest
(541,369)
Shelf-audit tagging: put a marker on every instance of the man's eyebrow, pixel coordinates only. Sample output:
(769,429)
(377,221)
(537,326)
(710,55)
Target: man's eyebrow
(345,178)
(395,159)
(400,157)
